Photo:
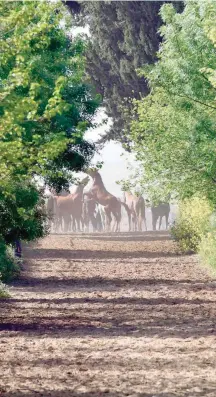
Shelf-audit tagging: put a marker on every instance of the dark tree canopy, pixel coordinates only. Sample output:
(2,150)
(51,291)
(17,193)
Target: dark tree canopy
(124,37)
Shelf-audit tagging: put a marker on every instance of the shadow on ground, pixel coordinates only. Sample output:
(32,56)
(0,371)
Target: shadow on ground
(99,393)
(152,295)
(49,254)
(135,236)
(134,317)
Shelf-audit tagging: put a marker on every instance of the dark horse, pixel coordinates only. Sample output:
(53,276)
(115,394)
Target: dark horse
(160,211)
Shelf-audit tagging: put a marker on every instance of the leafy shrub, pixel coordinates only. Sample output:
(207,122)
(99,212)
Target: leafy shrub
(9,268)
(3,291)
(22,214)
(22,217)
(207,249)
(192,223)
(207,246)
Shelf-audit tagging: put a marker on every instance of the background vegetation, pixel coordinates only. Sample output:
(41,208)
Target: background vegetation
(123,37)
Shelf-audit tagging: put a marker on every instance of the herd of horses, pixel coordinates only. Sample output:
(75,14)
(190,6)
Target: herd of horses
(99,210)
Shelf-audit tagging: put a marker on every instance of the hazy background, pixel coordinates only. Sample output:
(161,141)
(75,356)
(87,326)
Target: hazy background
(115,165)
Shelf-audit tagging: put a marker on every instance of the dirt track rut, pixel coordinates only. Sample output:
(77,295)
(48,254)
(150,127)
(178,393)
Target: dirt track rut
(109,315)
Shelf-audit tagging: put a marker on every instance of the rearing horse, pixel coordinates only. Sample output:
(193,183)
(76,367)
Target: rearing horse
(112,206)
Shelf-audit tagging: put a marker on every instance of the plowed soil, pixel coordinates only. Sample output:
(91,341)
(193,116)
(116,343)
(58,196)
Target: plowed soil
(109,315)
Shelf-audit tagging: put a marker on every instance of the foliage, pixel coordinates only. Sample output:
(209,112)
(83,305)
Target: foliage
(192,223)
(22,213)
(46,105)
(174,136)
(123,37)
(9,268)
(46,102)
(207,249)
(22,217)
(3,291)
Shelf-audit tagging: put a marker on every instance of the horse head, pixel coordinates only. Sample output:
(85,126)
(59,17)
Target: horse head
(92,172)
(84,181)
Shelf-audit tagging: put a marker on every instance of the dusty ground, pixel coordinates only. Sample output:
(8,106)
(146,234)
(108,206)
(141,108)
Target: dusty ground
(109,316)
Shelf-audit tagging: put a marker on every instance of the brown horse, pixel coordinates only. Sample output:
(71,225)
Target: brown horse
(51,203)
(70,207)
(136,205)
(92,214)
(89,208)
(112,206)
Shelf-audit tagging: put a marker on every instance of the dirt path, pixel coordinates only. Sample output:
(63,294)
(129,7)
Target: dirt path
(109,316)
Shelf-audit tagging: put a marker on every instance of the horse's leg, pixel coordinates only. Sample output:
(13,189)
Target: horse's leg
(74,224)
(119,223)
(58,224)
(67,223)
(117,217)
(64,224)
(108,218)
(135,223)
(103,221)
(139,220)
(145,223)
(167,219)
(160,221)
(129,221)
(140,223)
(55,221)
(115,224)
(154,221)
(82,223)
(86,226)
(78,223)
(93,222)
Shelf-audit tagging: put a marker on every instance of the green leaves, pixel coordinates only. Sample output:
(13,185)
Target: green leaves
(46,102)
(174,136)
(46,105)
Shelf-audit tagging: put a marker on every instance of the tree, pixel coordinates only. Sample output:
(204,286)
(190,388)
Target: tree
(124,36)
(46,105)
(46,101)
(174,136)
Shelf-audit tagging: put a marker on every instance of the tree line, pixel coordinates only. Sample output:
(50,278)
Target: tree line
(150,64)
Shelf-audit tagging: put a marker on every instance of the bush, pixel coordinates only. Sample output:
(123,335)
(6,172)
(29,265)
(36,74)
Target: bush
(3,291)
(192,223)
(9,268)
(207,249)
(22,217)
(22,213)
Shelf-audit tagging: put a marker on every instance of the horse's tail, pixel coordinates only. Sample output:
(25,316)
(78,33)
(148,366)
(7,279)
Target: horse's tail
(126,207)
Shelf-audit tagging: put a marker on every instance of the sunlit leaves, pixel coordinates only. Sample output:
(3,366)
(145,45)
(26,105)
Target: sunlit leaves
(175,135)
(44,95)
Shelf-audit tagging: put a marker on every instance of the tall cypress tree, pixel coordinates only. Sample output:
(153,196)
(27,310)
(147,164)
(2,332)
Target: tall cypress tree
(124,37)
